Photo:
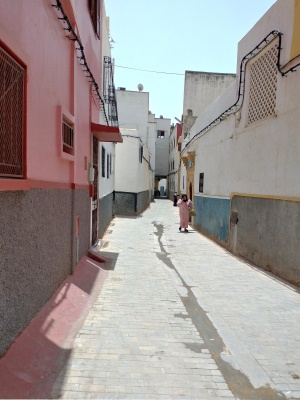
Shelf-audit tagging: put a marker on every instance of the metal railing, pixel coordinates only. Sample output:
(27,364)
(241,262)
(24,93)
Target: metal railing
(109,92)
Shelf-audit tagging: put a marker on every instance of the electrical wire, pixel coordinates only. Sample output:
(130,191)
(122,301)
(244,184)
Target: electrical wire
(147,70)
(72,36)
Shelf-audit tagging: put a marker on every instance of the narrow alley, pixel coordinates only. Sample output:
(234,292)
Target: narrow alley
(179,316)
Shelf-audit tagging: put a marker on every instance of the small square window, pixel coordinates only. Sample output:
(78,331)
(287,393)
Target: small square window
(160,134)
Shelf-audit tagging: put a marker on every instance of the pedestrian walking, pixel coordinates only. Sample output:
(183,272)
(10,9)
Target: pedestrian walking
(184,205)
(175,199)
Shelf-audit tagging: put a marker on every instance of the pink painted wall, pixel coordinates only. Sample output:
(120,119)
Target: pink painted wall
(31,30)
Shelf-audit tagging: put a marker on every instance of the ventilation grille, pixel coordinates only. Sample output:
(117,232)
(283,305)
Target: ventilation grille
(262,88)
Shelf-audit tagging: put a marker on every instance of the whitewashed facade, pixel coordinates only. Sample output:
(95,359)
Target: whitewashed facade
(242,155)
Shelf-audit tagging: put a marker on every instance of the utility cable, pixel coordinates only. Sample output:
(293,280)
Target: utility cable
(147,70)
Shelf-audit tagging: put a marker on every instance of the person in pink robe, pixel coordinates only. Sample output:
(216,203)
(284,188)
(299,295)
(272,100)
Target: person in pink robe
(184,205)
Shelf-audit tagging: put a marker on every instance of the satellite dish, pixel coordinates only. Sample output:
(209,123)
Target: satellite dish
(140,87)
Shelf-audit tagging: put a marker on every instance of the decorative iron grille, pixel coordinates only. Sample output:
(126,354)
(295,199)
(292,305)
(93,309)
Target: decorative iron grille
(263,85)
(11,117)
(109,92)
(68,137)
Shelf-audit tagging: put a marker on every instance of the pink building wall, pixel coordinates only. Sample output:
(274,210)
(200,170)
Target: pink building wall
(54,79)
(45,217)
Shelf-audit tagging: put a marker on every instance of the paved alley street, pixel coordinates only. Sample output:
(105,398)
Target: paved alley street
(179,316)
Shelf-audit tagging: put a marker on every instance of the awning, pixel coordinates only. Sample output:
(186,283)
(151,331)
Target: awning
(106,133)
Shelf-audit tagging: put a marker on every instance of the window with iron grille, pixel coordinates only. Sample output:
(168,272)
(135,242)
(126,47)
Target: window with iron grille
(141,153)
(11,117)
(263,85)
(201,182)
(94,8)
(68,137)
(103,152)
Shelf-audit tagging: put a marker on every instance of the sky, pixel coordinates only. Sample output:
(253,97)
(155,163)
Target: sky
(175,36)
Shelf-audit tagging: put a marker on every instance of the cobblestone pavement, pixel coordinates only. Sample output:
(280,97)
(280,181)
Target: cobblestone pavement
(179,316)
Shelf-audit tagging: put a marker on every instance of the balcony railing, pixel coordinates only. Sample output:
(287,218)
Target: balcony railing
(109,92)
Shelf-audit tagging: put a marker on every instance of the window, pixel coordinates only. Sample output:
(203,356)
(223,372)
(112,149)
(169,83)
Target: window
(68,137)
(183,182)
(160,134)
(107,166)
(94,8)
(262,86)
(201,182)
(11,117)
(141,153)
(103,162)
(110,162)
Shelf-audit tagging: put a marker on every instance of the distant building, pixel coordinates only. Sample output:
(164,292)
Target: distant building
(174,157)
(200,90)
(133,111)
(163,126)
(134,177)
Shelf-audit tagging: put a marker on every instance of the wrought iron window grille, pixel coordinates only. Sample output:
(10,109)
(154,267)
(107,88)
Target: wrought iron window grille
(12,98)
(68,137)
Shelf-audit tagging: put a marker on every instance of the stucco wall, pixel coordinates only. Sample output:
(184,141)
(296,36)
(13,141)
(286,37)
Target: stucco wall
(256,158)
(133,110)
(212,217)
(131,203)
(81,208)
(105,213)
(203,88)
(162,147)
(143,201)
(267,234)
(37,251)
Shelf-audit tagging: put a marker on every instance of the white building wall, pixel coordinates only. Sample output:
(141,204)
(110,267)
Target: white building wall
(131,174)
(162,147)
(203,88)
(133,108)
(263,157)
(250,160)
(173,160)
(106,184)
